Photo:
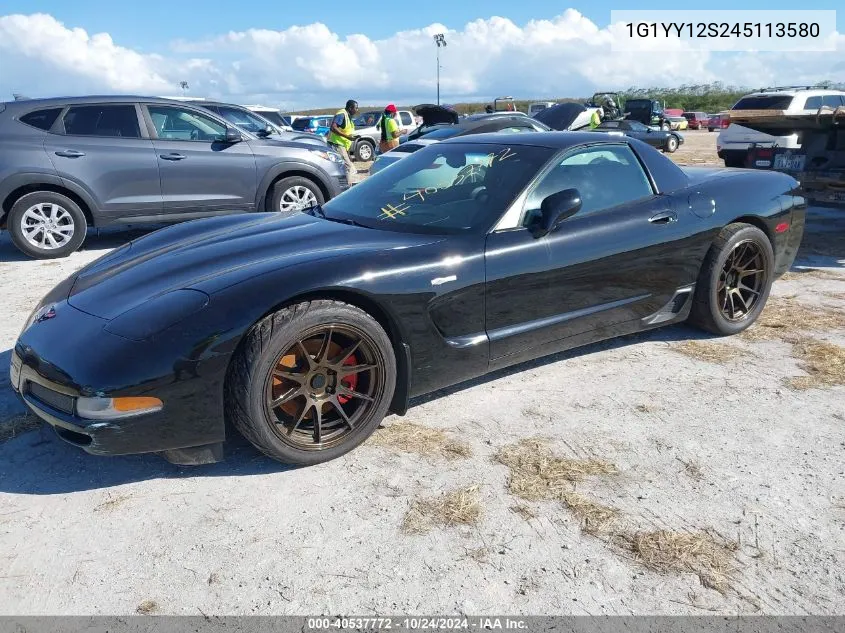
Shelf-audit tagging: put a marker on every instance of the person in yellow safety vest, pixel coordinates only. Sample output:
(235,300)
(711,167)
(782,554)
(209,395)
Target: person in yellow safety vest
(342,135)
(390,132)
(595,118)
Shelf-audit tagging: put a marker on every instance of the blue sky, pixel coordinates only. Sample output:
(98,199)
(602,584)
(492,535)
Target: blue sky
(295,55)
(149,24)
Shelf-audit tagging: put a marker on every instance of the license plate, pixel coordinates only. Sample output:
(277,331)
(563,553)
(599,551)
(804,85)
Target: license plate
(15,372)
(790,163)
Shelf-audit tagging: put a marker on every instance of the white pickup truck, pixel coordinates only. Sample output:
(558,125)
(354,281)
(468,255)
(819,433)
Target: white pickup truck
(368,132)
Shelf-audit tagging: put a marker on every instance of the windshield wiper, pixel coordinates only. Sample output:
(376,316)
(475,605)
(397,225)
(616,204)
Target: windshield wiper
(317,211)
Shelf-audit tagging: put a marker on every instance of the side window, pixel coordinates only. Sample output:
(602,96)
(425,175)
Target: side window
(833,101)
(605,176)
(177,124)
(102,120)
(813,103)
(42,119)
(243,119)
(406,118)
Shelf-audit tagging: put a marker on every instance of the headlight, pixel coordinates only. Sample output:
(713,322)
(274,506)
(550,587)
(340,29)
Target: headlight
(116,408)
(330,156)
(158,314)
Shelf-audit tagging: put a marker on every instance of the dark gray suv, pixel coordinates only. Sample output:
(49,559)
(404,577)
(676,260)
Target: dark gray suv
(69,163)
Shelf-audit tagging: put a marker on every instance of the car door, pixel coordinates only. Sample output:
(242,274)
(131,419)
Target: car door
(201,173)
(618,260)
(644,133)
(103,149)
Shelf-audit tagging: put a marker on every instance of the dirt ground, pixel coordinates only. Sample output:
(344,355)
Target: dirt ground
(666,473)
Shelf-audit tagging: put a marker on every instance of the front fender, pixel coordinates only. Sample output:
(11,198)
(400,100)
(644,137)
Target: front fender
(317,173)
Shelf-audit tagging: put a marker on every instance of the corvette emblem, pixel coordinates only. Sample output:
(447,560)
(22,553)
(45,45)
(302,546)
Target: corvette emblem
(47,312)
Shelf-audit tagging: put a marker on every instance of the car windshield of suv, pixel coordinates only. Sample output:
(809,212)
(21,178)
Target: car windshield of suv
(444,188)
(368,119)
(243,119)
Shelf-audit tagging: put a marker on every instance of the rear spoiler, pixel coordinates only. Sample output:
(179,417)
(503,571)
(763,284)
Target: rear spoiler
(782,123)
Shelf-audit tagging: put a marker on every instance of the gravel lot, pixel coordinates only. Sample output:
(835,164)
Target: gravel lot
(678,474)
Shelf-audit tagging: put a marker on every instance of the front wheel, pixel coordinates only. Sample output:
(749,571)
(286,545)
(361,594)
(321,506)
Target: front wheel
(364,152)
(311,382)
(735,280)
(295,193)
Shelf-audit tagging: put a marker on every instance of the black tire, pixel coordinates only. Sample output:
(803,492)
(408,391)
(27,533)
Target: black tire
(671,144)
(258,357)
(286,190)
(707,309)
(364,151)
(68,217)
(710,129)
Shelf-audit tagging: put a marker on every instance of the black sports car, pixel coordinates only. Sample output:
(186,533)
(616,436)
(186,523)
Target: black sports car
(666,140)
(469,255)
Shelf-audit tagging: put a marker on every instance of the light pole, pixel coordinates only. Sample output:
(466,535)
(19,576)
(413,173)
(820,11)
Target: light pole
(439,40)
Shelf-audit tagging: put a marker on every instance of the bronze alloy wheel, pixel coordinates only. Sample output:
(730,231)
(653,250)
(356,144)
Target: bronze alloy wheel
(741,281)
(324,385)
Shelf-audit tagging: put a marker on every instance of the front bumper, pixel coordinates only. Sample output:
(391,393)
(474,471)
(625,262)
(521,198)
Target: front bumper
(51,369)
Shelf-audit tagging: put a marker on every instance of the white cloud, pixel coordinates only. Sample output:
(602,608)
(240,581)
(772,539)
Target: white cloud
(312,66)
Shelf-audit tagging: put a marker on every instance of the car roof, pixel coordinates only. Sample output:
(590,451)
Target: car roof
(62,101)
(807,92)
(552,140)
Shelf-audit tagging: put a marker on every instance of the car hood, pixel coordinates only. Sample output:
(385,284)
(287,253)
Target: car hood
(286,138)
(433,114)
(211,254)
(561,116)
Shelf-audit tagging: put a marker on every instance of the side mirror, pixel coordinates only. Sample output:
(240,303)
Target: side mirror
(233,136)
(267,131)
(555,209)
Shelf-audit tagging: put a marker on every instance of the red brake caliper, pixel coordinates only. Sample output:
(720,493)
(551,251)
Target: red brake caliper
(350,382)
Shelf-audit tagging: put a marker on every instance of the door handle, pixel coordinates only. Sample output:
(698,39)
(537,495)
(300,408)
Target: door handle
(173,156)
(69,153)
(666,217)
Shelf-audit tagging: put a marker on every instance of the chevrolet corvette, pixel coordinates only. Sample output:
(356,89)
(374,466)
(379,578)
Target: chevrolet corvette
(470,255)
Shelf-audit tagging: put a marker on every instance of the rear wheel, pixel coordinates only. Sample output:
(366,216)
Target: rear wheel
(735,280)
(671,144)
(295,193)
(311,382)
(46,225)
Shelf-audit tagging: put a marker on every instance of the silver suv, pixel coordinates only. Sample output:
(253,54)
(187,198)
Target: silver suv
(66,164)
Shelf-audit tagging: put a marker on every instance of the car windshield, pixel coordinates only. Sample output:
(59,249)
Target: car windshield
(243,119)
(444,188)
(367,119)
(273,116)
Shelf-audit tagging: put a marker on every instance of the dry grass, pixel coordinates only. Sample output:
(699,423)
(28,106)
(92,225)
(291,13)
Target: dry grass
(17,425)
(414,438)
(112,503)
(147,607)
(823,361)
(458,507)
(646,408)
(712,559)
(536,473)
(711,352)
(692,469)
(596,519)
(784,318)
(813,273)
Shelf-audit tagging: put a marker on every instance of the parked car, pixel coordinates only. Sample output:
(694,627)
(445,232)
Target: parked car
(274,115)
(696,120)
(734,142)
(318,124)
(677,123)
(473,255)
(69,163)
(368,131)
(668,141)
(436,131)
(248,121)
(718,121)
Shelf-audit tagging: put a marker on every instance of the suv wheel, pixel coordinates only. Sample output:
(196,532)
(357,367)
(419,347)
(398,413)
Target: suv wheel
(295,193)
(46,225)
(364,152)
